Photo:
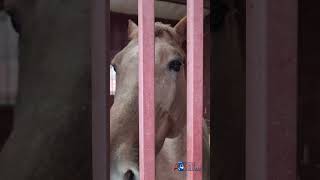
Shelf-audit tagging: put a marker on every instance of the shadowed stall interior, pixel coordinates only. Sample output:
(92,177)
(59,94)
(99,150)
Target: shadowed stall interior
(228,90)
(309,91)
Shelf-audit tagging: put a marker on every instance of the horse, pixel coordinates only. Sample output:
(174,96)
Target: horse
(170,106)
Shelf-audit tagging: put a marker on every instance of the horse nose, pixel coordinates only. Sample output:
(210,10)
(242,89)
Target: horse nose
(129,175)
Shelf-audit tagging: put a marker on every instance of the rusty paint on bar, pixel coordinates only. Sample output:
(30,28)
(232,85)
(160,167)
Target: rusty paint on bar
(100,88)
(194,85)
(146,90)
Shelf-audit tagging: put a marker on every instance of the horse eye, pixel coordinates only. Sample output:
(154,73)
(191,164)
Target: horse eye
(175,65)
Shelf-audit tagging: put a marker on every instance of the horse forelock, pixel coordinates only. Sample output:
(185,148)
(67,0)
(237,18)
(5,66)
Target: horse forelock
(162,31)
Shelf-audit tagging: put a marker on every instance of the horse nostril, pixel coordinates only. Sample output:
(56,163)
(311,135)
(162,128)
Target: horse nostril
(128,175)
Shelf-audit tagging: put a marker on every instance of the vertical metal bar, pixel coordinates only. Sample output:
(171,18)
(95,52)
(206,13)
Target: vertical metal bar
(146,90)
(271,85)
(100,31)
(194,85)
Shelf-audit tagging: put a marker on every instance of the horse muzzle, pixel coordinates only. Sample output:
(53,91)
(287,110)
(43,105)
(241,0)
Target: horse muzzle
(129,175)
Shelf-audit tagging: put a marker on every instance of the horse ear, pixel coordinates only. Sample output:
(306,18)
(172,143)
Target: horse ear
(132,27)
(181,28)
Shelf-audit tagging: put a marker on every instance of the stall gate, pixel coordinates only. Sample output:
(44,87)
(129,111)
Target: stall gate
(100,86)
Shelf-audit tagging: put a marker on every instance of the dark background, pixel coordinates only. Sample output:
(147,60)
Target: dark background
(309,90)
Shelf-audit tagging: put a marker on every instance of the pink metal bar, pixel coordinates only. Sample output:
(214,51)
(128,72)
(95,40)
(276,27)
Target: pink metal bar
(146,90)
(194,85)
